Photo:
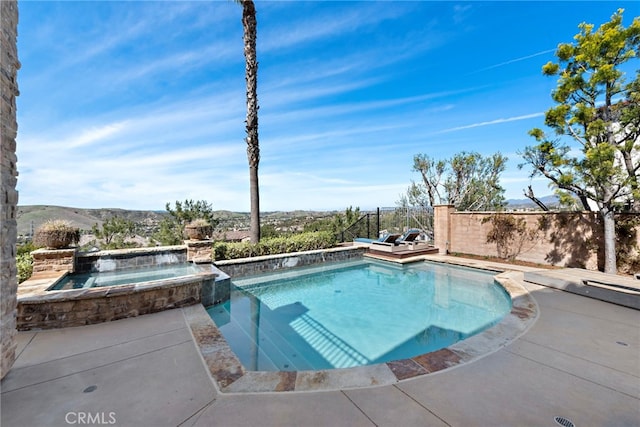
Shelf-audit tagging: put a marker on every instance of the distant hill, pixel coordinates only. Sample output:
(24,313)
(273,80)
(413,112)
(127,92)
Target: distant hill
(550,201)
(31,217)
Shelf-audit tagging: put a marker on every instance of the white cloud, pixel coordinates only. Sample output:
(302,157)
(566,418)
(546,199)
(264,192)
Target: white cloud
(95,134)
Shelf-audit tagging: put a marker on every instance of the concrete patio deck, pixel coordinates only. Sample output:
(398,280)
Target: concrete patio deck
(579,361)
(619,290)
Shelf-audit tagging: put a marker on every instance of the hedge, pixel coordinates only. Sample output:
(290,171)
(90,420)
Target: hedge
(275,245)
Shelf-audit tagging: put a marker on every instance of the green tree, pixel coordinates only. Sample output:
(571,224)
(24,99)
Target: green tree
(249,25)
(189,210)
(171,229)
(468,180)
(339,222)
(322,224)
(600,114)
(269,231)
(170,232)
(114,232)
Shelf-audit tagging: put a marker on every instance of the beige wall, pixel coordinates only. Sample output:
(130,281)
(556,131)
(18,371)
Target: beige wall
(442,227)
(569,239)
(9,66)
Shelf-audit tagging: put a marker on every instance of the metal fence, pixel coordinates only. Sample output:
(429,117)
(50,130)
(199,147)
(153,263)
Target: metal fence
(390,220)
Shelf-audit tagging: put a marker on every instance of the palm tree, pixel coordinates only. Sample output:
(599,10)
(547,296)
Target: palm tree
(249,25)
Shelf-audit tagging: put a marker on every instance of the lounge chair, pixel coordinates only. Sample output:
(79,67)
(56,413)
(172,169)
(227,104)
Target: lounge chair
(386,239)
(410,239)
(400,243)
(409,236)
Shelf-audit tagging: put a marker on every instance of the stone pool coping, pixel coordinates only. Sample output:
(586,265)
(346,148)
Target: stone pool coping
(231,377)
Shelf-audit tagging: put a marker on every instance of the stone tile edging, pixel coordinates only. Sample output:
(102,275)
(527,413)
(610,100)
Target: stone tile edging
(260,264)
(229,376)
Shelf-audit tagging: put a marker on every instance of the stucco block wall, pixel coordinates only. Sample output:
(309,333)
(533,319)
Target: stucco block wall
(568,239)
(9,66)
(442,227)
(563,239)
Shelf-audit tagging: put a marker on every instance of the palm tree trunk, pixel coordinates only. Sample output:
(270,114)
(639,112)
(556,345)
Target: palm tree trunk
(249,25)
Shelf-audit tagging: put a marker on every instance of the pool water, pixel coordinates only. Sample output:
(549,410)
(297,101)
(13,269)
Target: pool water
(123,277)
(357,313)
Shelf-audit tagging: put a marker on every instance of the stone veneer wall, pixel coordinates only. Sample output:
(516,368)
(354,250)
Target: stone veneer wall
(123,259)
(199,251)
(9,66)
(53,260)
(39,308)
(249,266)
(96,305)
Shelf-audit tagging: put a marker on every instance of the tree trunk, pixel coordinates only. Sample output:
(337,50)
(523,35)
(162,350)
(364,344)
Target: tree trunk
(531,196)
(609,241)
(633,177)
(255,204)
(249,24)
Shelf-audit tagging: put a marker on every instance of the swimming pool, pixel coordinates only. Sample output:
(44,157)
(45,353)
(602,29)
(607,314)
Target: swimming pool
(122,277)
(352,314)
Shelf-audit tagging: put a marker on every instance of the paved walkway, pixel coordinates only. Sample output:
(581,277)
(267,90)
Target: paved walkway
(580,361)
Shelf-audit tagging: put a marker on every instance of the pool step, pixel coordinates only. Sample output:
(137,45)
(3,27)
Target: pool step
(333,349)
(281,355)
(248,353)
(285,355)
(293,351)
(89,283)
(269,354)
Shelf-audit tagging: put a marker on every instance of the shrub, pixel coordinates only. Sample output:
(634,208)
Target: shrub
(56,234)
(199,222)
(509,234)
(275,245)
(25,248)
(24,263)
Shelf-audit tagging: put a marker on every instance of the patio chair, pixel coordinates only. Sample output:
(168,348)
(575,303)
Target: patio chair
(409,236)
(410,239)
(388,239)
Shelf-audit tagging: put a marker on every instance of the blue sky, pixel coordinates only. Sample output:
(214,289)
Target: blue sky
(139,103)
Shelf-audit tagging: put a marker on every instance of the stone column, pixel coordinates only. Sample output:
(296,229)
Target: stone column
(9,66)
(53,260)
(442,227)
(199,251)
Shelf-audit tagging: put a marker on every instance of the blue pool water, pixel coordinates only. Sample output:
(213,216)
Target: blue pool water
(357,313)
(123,277)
